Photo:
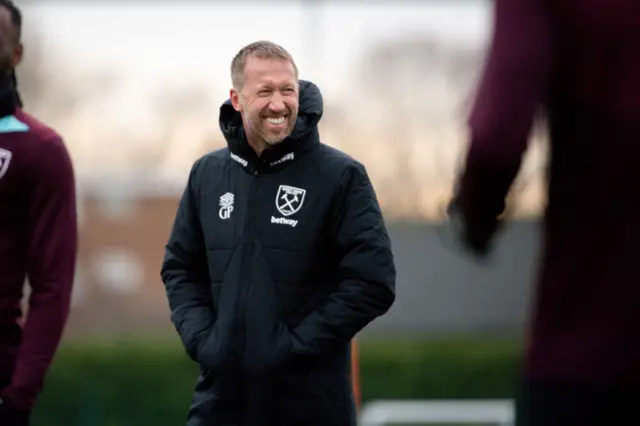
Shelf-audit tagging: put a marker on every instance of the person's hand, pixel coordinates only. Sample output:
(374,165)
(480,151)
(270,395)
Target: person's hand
(208,352)
(277,352)
(10,416)
(215,353)
(475,239)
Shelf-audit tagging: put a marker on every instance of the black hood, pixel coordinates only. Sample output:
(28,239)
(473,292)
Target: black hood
(304,136)
(9,97)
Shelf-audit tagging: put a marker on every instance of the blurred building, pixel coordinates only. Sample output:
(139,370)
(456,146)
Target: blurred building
(124,227)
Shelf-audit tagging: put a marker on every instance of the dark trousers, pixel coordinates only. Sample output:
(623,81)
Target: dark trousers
(18,418)
(551,403)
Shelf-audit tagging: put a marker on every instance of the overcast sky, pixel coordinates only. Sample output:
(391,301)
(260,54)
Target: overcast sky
(153,41)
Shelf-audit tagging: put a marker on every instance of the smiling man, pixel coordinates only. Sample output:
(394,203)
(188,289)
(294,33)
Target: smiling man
(278,256)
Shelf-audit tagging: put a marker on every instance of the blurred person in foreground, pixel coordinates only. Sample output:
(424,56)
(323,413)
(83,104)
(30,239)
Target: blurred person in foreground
(278,256)
(580,62)
(37,237)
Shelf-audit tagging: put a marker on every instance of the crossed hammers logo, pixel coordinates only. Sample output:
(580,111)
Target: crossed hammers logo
(288,203)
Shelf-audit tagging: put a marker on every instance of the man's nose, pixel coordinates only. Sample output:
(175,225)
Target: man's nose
(277,103)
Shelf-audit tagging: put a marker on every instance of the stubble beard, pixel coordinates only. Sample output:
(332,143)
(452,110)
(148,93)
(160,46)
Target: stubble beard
(263,133)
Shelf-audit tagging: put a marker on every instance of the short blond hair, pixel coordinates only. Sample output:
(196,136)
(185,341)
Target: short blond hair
(259,49)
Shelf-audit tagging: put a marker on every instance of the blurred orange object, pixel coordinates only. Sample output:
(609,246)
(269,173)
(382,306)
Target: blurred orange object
(355,372)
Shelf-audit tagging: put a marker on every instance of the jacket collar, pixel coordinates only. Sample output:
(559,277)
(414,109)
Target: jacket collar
(274,158)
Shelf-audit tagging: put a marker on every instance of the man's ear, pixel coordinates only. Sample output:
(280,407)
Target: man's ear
(235,100)
(18,51)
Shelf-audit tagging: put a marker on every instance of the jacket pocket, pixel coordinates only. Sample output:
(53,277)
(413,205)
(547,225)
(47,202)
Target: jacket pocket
(212,354)
(218,262)
(216,350)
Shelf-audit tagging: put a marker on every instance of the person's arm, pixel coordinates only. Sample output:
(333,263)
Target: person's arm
(366,270)
(185,273)
(52,247)
(513,85)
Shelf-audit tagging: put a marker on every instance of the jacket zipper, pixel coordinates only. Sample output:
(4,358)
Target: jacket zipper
(241,308)
(241,303)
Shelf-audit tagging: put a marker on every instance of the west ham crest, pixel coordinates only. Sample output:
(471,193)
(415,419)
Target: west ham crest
(5,160)
(289,199)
